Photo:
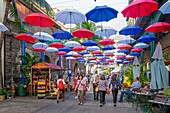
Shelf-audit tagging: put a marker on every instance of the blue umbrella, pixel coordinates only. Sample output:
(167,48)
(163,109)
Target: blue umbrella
(62,35)
(98,55)
(134,53)
(131,30)
(140,45)
(123,51)
(108,47)
(84,52)
(92,48)
(105,31)
(103,60)
(80,58)
(147,38)
(120,59)
(66,49)
(40,45)
(67,55)
(165,9)
(101,13)
(89,43)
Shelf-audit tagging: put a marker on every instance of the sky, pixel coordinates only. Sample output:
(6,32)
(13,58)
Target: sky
(85,5)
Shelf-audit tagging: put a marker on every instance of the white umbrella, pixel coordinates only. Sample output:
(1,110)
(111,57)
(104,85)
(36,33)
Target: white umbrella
(127,40)
(40,45)
(72,53)
(87,55)
(3,27)
(70,58)
(72,44)
(92,48)
(51,49)
(136,68)
(109,52)
(120,54)
(43,36)
(105,31)
(141,45)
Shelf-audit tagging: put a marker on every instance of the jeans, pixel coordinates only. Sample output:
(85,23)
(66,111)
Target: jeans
(124,92)
(94,90)
(114,93)
(80,95)
(97,95)
(102,97)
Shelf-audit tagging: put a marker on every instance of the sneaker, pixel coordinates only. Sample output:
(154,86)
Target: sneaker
(76,97)
(81,103)
(57,101)
(101,105)
(114,105)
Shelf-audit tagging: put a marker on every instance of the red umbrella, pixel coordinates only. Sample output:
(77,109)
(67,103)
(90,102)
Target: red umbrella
(124,46)
(100,58)
(61,53)
(79,48)
(57,45)
(140,8)
(130,58)
(120,56)
(110,60)
(25,37)
(77,55)
(158,27)
(39,19)
(91,58)
(39,49)
(111,54)
(106,41)
(83,33)
(105,63)
(97,52)
(137,50)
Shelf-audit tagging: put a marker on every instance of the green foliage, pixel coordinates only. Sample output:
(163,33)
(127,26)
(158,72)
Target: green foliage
(167,91)
(129,73)
(166,55)
(5,92)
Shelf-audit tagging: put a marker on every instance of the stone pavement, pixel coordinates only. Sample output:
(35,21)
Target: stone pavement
(70,105)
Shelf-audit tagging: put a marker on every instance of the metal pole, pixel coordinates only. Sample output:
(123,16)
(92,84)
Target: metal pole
(42,57)
(23,61)
(60,63)
(152,47)
(141,57)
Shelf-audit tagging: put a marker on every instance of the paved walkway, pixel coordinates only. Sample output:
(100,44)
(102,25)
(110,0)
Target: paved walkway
(33,105)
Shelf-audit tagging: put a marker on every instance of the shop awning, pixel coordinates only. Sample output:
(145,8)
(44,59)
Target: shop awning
(46,65)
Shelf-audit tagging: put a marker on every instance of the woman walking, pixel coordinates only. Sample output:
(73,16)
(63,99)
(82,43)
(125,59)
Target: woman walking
(102,89)
(80,87)
(75,84)
(115,84)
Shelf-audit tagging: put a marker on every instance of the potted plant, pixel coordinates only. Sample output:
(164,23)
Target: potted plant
(167,91)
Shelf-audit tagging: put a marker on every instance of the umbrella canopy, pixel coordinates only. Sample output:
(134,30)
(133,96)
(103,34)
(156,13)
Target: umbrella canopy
(54,40)
(165,9)
(72,53)
(147,38)
(70,58)
(72,44)
(70,16)
(62,35)
(123,51)
(131,30)
(129,57)
(118,57)
(80,58)
(159,72)
(98,55)
(124,46)
(91,58)
(137,50)
(97,52)
(83,33)
(110,60)
(127,40)
(135,53)
(77,55)
(92,48)
(66,49)
(103,13)
(61,53)
(3,27)
(25,37)
(89,43)
(140,8)
(51,49)
(120,54)
(106,41)
(158,27)
(105,31)
(111,54)
(39,19)
(40,45)
(136,68)
(83,52)
(39,49)
(87,55)
(140,45)
(79,48)
(43,36)
(57,45)
(108,47)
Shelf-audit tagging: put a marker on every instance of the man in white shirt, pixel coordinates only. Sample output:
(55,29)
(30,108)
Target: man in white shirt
(93,82)
(135,85)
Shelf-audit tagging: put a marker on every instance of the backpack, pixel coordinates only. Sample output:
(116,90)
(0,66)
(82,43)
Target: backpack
(61,84)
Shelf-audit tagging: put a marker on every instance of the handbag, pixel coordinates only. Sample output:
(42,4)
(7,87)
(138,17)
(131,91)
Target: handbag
(108,91)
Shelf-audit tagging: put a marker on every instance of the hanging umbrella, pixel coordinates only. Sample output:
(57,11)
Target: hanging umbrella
(91,58)
(87,55)
(96,52)
(51,49)
(129,57)
(40,45)
(77,55)
(110,55)
(70,16)
(89,43)
(140,8)
(131,30)
(136,68)
(105,31)
(109,52)
(83,52)
(120,57)
(101,13)
(70,58)
(25,37)
(39,49)
(141,45)
(110,60)
(120,54)
(3,27)
(54,40)
(108,47)
(159,72)
(43,36)
(98,55)
(62,35)
(106,41)
(72,53)
(165,8)
(57,45)
(134,53)
(80,58)
(158,27)
(92,48)
(79,48)
(127,40)
(83,33)
(39,19)
(61,53)
(66,49)
(72,44)
(123,51)
(124,46)
(137,50)
(147,38)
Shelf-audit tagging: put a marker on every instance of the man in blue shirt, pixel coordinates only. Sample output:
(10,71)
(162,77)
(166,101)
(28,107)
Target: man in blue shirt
(135,85)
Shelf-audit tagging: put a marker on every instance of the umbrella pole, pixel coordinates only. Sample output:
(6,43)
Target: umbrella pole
(60,60)
(152,45)
(23,61)
(42,57)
